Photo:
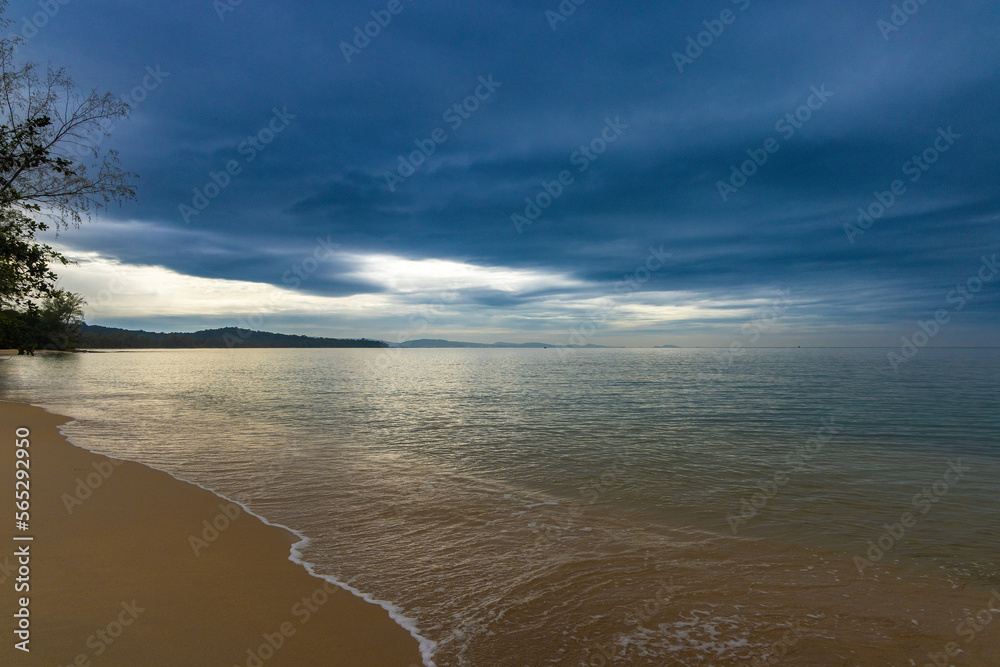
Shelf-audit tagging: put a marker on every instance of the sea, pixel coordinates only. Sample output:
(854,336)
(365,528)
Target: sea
(594,506)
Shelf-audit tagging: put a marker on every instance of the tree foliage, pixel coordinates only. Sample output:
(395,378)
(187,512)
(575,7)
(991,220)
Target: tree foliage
(54,325)
(25,264)
(52,172)
(49,163)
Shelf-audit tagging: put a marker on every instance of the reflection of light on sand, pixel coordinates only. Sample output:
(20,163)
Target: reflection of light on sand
(464,552)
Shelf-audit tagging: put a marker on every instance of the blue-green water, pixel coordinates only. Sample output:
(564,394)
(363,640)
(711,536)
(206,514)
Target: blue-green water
(511,498)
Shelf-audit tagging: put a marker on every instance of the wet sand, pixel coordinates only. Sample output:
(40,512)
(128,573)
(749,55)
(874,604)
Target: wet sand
(129,566)
(673,598)
(773,605)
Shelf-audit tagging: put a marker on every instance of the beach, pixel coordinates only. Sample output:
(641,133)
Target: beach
(130,566)
(508,510)
(429,334)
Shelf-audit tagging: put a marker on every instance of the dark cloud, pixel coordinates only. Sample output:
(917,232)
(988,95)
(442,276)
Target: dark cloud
(349,123)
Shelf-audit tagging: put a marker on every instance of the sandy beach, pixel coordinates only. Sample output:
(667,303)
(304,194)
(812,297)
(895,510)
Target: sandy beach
(129,566)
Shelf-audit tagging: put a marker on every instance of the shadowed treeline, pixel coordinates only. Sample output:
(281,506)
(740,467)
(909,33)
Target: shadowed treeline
(97,337)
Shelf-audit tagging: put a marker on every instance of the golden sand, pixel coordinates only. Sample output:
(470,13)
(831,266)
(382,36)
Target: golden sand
(128,569)
(129,566)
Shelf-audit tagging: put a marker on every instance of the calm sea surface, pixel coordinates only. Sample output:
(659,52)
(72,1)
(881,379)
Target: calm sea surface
(530,507)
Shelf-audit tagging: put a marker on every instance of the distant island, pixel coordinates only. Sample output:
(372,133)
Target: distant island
(94,337)
(433,342)
(97,337)
(666,347)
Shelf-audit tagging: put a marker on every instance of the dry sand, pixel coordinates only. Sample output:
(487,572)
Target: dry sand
(115,579)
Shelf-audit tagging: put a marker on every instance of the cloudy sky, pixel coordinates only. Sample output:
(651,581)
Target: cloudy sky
(629,174)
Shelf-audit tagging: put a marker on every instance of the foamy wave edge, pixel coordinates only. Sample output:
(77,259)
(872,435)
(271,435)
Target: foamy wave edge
(427,647)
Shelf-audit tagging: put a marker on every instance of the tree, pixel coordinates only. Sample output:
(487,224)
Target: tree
(25,272)
(51,171)
(47,156)
(53,326)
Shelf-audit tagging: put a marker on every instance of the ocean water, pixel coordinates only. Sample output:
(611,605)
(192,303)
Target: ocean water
(619,507)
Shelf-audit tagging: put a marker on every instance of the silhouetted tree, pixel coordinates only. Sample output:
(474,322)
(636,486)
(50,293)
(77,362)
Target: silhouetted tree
(51,175)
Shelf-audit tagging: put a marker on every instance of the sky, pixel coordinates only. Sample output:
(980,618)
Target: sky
(648,173)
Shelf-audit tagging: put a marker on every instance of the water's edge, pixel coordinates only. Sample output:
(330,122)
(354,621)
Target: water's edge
(427,647)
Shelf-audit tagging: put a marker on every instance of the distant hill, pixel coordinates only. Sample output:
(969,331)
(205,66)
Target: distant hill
(98,337)
(95,337)
(433,342)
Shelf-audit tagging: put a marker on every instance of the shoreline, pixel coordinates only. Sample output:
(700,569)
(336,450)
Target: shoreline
(765,585)
(131,565)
